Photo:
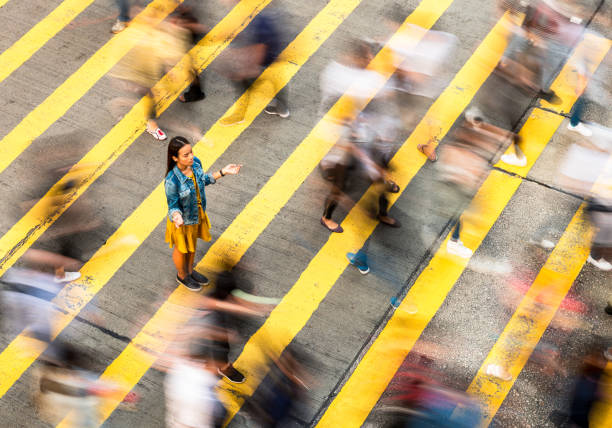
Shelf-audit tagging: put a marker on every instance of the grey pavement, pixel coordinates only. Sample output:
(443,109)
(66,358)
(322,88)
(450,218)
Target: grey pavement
(357,306)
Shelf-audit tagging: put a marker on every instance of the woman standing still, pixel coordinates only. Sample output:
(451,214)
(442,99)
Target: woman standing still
(187,219)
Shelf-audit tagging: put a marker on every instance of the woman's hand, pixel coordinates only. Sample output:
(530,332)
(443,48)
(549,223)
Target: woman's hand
(231,169)
(177,219)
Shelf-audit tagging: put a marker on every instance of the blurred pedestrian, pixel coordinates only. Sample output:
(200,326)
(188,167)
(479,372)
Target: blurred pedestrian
(157,49)
(191,397)
(124,15)
(465,161)
(187,220)
(281,391)
(587,389)
(258,47)
(600,213)
(215,323)
(185,18)
(349,77)
(27,297)
(66,384)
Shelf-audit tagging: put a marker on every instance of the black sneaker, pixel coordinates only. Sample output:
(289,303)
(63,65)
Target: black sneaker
(199,278)
(282,111)
(231,374)
(189,283)
(550,97)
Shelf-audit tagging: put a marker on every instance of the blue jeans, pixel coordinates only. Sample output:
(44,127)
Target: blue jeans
(124,10)
(456,230)
(577,112)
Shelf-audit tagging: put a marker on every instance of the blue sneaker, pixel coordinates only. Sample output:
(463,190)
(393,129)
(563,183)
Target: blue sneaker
(360,261)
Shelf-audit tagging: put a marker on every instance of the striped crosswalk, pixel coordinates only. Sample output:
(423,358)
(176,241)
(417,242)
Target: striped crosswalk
(34,39)
(367,381)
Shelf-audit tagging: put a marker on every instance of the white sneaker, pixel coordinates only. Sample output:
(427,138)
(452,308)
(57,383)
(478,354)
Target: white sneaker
(118,26)
(601,264)
(581,129)
(68,277)
(457,248)
(498,372)
(513,159)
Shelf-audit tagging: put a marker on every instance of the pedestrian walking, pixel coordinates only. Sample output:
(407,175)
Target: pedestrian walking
(191,399)
(124,16)
(187,219)
(258,47)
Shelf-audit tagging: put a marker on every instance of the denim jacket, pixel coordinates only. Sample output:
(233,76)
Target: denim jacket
(180,192)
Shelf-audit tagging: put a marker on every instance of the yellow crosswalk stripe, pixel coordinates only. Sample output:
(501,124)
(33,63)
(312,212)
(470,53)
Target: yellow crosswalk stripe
(15,359)
(22,351)
(135,360)
(34,223)
(596,48)
(533,314)
(73,88)
(243,231)
(601,415)
(371,377)
(3,2)
(12,58)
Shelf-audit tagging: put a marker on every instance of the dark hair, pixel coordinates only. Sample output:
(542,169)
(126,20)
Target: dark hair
(173,148)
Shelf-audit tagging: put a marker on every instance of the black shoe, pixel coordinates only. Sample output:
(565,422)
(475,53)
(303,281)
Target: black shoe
(199,278)
(231,374)
(189,283)
(550,97)
(609,309)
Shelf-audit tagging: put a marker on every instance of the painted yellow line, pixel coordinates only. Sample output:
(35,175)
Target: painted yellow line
(601,415)
(147,216)
(534,313)
(564,85)
(73,88)
(531,318)
(133,362)
(35,38)
(362,390)
(23,234)
(19,354)
(374,372)
(3,2)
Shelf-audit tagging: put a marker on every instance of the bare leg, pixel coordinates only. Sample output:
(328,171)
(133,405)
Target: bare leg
(180,260)
(189,257)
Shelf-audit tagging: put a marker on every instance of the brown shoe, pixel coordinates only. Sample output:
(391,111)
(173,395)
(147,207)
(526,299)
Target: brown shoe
(428,150)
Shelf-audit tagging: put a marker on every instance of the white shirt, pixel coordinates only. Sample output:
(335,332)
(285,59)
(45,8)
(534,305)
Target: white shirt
(190,396)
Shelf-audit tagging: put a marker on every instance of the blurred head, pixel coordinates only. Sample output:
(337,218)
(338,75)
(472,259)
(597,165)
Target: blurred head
(360,53)
(179,153)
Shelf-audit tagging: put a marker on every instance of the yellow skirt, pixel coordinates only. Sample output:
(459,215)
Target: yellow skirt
(186,236)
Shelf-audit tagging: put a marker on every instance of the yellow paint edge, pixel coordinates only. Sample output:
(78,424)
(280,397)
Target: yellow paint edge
(12,58)
(35,222)
(531,318)
(75,86)
(311,38)
(116,370)
(369,380)
(565,86)
(97,271)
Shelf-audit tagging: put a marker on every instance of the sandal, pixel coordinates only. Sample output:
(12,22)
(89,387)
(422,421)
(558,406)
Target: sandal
(428,151)
(392,187)
(391,222)
(157,133)
(337,229)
